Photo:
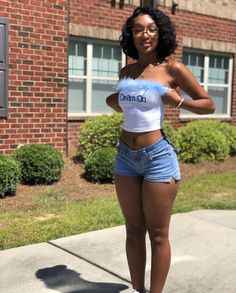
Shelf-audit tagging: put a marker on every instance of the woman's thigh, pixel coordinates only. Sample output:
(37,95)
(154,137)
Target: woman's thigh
(129,192)
(158,199)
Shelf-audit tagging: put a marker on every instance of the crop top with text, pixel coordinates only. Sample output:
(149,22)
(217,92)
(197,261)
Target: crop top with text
(141,103)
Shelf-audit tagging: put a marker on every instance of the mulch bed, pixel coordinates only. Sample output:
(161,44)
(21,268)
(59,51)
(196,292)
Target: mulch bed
(77,188)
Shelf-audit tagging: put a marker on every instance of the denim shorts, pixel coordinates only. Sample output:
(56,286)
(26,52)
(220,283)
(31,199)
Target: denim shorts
(157,162)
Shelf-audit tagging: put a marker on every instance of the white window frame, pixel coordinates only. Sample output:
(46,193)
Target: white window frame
(205,84)
(89,78)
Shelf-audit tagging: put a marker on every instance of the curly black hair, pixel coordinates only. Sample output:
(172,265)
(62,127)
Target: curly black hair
(167,38)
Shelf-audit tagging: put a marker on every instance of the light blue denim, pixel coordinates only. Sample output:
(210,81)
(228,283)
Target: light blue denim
(157,162)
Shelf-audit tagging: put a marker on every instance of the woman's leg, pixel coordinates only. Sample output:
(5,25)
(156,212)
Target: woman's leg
(158,199)
(129,192)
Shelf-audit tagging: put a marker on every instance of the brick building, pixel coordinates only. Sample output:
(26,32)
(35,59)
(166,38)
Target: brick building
(60,59)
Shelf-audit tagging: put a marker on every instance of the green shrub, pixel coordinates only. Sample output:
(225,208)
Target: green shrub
(227,130)
(39,163)
(99,132)
(231,136)
(201,141)
(100,164)
(169,130)
(9,175)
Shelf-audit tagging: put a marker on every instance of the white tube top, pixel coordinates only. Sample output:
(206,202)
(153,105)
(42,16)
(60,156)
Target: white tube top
(141,103)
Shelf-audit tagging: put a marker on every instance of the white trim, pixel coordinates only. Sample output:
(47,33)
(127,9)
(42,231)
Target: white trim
(86,115)
(217,85)
(77,76)
(210,116)
(105,78)
(230,84)
(89,78)
(206,71)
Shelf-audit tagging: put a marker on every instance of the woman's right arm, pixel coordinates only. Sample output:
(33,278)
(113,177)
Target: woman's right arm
(112,101)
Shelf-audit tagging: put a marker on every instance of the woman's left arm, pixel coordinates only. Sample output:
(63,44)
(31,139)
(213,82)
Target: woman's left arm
(201,102)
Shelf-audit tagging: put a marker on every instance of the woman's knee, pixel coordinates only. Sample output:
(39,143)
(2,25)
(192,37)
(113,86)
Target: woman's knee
(135,233)
(158,236)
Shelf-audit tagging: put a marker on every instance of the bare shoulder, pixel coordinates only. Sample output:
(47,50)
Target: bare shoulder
(181,75)
(185,80)
(176,68)
(127,70)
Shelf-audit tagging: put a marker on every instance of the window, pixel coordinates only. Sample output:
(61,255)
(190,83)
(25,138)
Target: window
(214,73)
(93,74)
(130,2)
(3,66)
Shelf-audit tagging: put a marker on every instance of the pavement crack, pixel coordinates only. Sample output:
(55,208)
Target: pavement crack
(90,262)
(213,222)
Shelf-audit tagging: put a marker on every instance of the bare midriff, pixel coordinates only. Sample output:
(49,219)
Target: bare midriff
(139,140)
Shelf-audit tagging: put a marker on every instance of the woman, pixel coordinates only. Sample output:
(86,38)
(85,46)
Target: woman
(147,171)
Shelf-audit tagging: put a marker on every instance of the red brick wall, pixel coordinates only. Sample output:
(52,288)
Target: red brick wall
(98,13)
(37,102)
(73,133)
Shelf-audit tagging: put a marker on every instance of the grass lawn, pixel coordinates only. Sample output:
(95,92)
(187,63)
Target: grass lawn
(52,215)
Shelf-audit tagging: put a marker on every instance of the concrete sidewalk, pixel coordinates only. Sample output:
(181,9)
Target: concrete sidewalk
(203,260)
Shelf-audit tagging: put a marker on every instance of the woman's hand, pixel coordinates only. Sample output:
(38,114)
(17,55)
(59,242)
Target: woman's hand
(172,98)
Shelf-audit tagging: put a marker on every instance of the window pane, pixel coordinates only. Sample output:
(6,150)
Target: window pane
(2,42)
(107,52)
(195,63)
(219,95)
(218,70)
(77,93)
(3,88)
(106,60)
(116,53)
(77,58)
(100,90)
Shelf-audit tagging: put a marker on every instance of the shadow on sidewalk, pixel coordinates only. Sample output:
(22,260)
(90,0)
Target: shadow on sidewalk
(65,280)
